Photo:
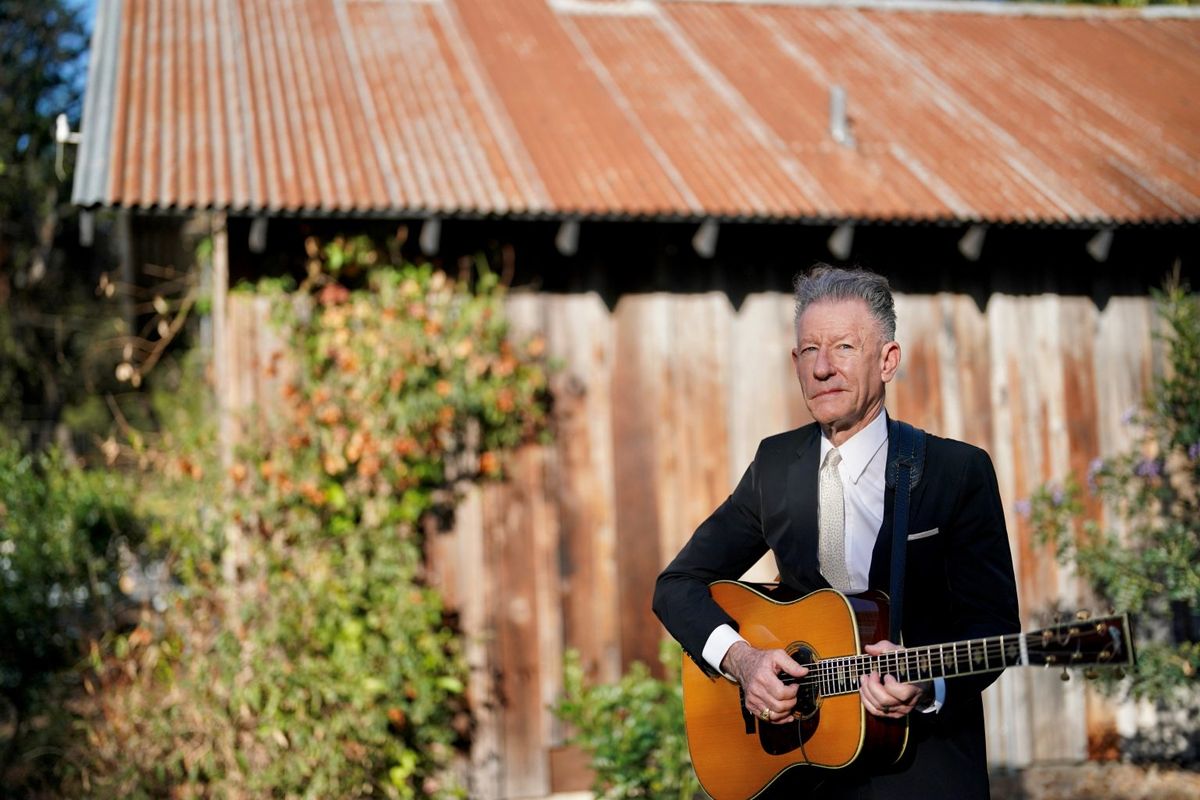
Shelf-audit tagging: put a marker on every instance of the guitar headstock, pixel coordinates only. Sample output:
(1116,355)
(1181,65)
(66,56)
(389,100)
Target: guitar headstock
(1098,641)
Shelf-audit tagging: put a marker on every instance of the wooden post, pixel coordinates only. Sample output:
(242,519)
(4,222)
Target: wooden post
(223,387)
(220,355)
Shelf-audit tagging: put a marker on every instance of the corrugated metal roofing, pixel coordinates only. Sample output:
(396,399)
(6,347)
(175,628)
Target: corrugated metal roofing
(643,108)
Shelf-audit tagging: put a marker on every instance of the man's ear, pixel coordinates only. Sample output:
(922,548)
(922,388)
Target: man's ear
(889,361)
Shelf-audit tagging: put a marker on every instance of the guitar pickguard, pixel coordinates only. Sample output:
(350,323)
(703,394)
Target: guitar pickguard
(784,738)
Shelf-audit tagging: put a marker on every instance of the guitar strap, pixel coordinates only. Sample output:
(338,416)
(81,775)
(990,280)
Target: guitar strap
(902,474)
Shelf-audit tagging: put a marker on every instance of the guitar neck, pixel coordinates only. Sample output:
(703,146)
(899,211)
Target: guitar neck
(1071,645)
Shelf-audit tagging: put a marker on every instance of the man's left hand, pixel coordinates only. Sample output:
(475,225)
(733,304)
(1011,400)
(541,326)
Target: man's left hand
(883,695)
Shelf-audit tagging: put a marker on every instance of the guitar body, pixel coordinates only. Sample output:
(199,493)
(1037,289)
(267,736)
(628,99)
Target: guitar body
(736,757)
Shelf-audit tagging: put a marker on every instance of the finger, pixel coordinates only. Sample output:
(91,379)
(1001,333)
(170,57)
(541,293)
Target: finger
(874,707)
(875,695)
(882,646)
(785,663)
(904,693)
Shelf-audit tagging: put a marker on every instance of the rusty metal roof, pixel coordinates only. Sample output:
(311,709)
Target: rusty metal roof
(644,108)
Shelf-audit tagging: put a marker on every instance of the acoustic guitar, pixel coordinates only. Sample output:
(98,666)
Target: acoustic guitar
(736,756)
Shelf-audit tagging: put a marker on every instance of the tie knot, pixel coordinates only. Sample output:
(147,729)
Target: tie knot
(833,458)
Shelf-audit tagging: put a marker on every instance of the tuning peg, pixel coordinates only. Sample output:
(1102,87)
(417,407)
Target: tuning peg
(1083,614)
(1065,676)
(1091,674)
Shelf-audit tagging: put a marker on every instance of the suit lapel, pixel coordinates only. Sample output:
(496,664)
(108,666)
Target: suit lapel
(881,556)
(802,509)
(880,576)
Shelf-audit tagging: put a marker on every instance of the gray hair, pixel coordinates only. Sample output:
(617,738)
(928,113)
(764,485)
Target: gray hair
(824,282)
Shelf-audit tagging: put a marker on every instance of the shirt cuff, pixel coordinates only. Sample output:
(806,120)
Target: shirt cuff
(939,696)
(719,641)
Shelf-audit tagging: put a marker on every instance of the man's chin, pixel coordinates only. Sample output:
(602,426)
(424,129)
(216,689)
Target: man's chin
(827,411)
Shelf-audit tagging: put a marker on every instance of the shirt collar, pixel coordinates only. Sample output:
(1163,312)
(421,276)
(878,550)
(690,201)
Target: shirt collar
(860,449)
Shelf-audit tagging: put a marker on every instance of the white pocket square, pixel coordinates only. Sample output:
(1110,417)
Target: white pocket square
(923,534)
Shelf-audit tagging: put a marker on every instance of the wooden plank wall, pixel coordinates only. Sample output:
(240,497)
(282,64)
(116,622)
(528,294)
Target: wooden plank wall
(660,404)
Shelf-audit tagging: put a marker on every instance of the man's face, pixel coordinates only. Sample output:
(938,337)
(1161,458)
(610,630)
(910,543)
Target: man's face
(843,364)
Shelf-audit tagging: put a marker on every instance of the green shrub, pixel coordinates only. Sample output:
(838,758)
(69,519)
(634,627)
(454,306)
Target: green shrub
(1144,561)
(633,730)
(308,656)
(62,533)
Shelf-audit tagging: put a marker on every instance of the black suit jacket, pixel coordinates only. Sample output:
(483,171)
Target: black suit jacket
(959,585)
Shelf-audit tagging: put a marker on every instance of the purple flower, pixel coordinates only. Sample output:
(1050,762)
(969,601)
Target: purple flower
(1128,415)
(1194,451)
(1057,495)
(1023,507)
(1094,467)
(1148,468)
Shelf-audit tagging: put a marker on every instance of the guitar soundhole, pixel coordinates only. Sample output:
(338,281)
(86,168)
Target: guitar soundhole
(786,737)
(807,701)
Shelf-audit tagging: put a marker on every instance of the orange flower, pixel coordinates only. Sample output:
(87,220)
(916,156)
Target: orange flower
(354,448)
(312,494)
(488,463)
(446,415)
(266,469)
(504,400)
(397,380)
(330,415)
(333,463)
(404,445)
(369,466)
(396,717)
(536,346)
(238,472)
(443,388)
(332,294)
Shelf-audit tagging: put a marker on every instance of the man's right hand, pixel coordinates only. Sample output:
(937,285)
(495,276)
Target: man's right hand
(758,673)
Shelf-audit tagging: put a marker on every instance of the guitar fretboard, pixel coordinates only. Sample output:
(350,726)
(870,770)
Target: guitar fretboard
(834,676)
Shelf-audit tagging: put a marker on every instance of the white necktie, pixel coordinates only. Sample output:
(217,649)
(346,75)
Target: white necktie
(832,524)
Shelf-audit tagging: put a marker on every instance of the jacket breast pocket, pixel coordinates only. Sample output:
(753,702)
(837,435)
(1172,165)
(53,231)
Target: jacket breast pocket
(913,537)
(925,554)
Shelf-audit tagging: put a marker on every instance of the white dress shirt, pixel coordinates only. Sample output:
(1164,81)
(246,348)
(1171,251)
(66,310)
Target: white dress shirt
(863,474)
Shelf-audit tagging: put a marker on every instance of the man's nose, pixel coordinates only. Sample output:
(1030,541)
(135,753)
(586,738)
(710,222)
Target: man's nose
(822,366)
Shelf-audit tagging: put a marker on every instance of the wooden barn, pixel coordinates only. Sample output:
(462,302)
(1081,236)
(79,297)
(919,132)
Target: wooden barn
(658,170)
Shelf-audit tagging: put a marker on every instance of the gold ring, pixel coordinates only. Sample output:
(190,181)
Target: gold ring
(765,713)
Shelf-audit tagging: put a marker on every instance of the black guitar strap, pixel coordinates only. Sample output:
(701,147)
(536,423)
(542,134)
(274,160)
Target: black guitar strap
(903,474)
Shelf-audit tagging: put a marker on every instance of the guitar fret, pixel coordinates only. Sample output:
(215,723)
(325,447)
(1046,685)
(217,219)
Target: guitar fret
(842,675)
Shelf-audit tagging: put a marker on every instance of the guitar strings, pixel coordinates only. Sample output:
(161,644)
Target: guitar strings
(925,661)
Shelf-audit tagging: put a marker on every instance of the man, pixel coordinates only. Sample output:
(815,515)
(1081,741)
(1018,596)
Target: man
(817,497)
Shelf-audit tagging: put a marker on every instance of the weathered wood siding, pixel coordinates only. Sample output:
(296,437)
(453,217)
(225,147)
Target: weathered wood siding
(660,404)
